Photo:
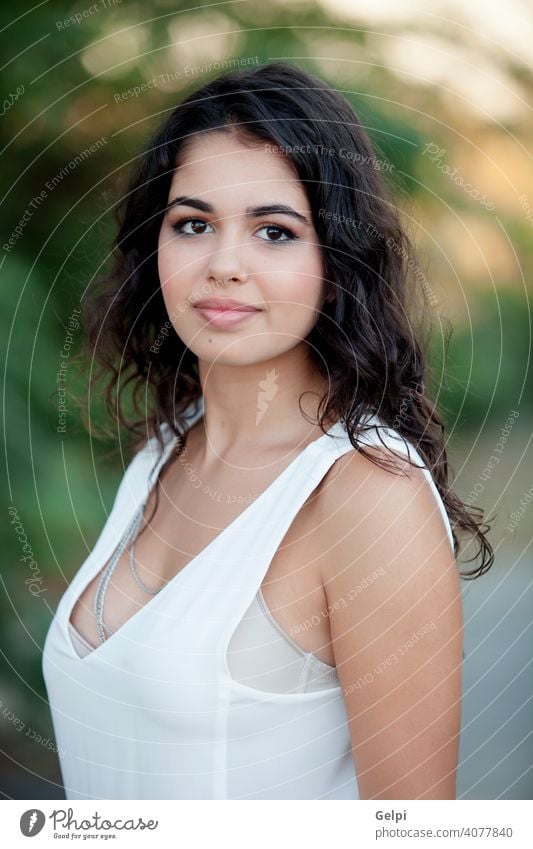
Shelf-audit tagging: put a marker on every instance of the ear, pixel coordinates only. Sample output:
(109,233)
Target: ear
(331,295)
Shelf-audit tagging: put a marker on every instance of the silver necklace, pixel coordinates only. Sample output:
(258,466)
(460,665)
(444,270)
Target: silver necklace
(133,568)
(129,536)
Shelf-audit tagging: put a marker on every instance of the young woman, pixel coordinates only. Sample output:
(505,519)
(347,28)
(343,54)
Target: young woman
(273,608)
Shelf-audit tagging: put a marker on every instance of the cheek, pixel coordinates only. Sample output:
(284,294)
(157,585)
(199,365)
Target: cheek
(297,310)
(180,267)
(172,275)
(300,287)
(166,263)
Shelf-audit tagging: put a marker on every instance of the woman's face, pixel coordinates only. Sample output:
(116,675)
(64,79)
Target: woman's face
(223,238)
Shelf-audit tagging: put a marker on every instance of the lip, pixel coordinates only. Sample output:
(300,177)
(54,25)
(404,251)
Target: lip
(226,317)
(224,304)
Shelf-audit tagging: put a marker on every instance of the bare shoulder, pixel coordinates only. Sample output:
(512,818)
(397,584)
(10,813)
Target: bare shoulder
(394,601)
(380,510)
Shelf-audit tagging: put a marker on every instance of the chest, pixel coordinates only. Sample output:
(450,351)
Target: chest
(192,511)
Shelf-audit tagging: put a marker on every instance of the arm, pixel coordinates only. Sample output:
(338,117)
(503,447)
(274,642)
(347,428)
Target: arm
(394,598)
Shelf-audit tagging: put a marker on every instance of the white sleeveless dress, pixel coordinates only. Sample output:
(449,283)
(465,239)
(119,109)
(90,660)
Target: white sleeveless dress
(158,710)
(261,654)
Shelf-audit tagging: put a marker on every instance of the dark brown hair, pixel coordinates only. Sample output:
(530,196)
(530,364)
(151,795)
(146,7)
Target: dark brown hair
(365,341)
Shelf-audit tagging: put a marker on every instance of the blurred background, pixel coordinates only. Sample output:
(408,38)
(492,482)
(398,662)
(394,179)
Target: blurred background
(445,94)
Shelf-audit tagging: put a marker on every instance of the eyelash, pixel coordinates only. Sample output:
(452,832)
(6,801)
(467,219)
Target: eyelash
(289,233)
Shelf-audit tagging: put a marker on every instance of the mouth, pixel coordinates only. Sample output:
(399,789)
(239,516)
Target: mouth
(223,316)
(224,304)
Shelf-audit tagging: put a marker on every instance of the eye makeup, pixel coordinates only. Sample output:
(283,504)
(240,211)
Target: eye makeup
(290,236)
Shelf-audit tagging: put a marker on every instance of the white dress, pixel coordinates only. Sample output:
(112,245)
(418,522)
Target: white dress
(161,709)
(261,654)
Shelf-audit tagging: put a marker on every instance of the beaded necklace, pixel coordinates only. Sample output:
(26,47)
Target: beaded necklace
(128,538)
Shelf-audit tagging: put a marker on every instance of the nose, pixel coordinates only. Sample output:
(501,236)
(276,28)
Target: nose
(226,264)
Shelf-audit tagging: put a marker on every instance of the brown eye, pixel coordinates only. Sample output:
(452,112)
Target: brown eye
(196,225)
(279,234)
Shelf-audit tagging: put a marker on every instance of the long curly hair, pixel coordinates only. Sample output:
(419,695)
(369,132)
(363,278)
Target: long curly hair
(370,342)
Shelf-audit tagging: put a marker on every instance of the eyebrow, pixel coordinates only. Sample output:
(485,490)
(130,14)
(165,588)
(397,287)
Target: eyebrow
(250,211)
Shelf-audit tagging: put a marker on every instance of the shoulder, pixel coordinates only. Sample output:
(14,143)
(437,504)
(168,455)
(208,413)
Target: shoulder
(384,515)
(394,604)
(383,507)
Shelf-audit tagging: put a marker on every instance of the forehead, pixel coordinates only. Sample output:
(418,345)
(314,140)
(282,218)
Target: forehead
(220,163)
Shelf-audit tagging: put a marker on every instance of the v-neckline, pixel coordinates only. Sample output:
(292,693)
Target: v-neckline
(244,514)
